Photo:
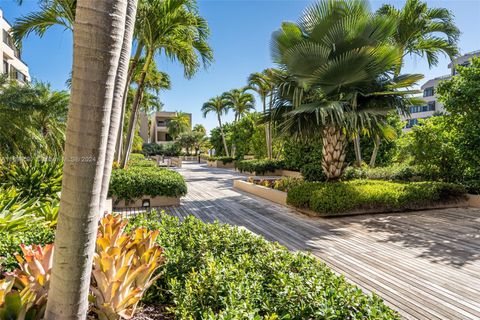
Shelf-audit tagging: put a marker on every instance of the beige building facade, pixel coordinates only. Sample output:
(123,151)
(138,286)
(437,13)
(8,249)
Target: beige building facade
(13,66)
(157,126)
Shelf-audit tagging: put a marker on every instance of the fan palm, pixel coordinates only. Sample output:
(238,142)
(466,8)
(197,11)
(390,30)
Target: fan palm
(175,29)
(219,106)
(338,57)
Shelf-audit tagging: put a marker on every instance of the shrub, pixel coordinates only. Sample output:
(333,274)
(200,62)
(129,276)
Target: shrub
(136,157)
(472,186)
(224,160)
(259,166)
(216,271)
(343,197)
(10,242)
(313,172)
(135,182)
(170,149)
(33,179)
(398,172)
(297,153)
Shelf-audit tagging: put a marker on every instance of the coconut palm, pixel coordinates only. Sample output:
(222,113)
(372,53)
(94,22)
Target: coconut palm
(337,57)
(219,106)
(175,29)
(179,124)
(101,34)
(422,31)
(240,101)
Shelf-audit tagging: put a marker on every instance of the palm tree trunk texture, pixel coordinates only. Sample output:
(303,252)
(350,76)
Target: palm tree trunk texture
(333,153)
(376,147)
(358,152)
(135,107)
(121,87)
(98,38)
(269,128)
(223,135)
(131,69)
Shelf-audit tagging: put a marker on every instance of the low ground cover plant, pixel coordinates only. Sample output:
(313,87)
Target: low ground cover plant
(134,182)
(396,172)
(332,198)
(216,271)
(283,184)
(259,166)
(224,160)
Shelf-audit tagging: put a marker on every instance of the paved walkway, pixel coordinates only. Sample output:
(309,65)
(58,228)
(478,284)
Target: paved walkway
(424,264)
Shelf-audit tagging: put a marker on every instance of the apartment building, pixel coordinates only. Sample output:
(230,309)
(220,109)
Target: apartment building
(158,123)
(432,105)
(13,66)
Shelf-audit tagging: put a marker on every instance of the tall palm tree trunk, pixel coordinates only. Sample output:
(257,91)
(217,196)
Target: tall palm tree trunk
(98,38)
(333,152)
(131,70)
(121,87)
(376,147)
(358,151)
(223,135)
(269,128)
(135,107)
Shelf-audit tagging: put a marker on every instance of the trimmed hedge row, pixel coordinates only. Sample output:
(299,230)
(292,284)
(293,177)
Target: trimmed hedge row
(135,182)
(224,160)
(216,271)
(259,166)
(332,198)
(399,172)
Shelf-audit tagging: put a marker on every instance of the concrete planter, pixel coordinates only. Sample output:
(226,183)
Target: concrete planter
(220,164)
(273,195)
(158,201)
(177,162)
(277,173)
(474,200)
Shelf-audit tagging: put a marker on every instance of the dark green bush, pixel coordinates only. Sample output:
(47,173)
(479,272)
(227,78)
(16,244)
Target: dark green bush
(313,172)
(330,198)
(33,179)
(135,182)
(398,172)
(224,160)
(259,166)
(472,186)
(216,271)
(171,149)
(10,243)
(297,153)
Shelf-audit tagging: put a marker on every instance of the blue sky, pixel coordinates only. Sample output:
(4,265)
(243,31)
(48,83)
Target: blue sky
(240,38)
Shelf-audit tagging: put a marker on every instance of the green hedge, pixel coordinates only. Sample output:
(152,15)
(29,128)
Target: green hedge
(216,271)
(331,198)
(398,172)
(259,166)
(135,182)
(313,172)
(170,149)
(224,160)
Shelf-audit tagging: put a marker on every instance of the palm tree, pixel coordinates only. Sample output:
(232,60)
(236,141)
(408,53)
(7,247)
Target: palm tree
(101,36)
(339,59)
(179,124)
(240,101)
(175,28)
(219,106)
(423,31)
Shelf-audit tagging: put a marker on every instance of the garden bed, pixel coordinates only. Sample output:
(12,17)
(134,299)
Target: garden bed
(220,164)
(273,195)
(327,199)
(153,202)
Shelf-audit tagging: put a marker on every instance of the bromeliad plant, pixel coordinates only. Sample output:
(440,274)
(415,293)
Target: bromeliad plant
(123,268)
(23,292)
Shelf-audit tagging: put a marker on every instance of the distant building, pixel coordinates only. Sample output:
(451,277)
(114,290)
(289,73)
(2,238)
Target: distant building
(157,126)
(13,66)
(432,105)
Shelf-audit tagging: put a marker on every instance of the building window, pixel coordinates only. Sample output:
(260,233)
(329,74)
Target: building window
(428,92)
(431,106)
(411,123)
(17,75)
(5,67)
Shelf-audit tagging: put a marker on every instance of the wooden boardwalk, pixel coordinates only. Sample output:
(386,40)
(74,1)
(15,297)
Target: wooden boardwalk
(424,264)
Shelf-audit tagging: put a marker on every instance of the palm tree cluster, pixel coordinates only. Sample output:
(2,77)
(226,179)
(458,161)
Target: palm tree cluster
(239,101)
(172,29)
(32,119)
(341,71)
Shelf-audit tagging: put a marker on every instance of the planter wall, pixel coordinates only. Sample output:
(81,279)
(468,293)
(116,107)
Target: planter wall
(176,162)
(273,195)
(474,200)
(154,202)
(220,164)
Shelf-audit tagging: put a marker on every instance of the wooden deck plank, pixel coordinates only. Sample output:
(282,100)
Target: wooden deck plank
(426,264)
